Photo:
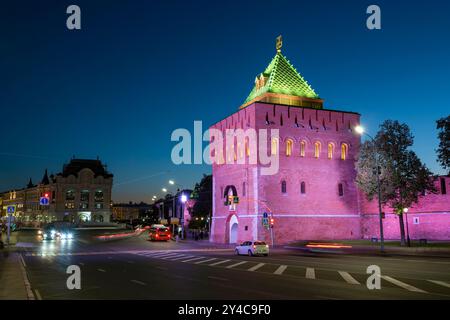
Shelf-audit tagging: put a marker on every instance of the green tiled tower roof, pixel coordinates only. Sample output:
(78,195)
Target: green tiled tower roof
(281,77)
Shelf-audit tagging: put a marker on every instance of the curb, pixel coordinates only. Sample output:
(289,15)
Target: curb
(26,282)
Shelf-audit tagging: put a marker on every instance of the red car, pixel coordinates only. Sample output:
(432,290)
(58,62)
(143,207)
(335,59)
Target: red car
(159,233)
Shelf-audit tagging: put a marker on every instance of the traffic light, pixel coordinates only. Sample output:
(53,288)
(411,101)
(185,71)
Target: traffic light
(272,221)
(47,195)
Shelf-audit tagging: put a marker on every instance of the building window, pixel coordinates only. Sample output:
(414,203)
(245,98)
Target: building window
(98,196)
(341,189)
(302,148)
(317,149)
(243,189)
(70,195)
(84,195)
(330,151)
(416,220)
(283,187)
(69,205)
(289,144)
(344,151)
(247,147)
(83,205)
(443,186)
(303,187)
(274,147)
(99,206)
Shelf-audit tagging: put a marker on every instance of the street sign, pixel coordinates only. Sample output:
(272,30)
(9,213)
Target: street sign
(43,201)
(11,209)
(265,215)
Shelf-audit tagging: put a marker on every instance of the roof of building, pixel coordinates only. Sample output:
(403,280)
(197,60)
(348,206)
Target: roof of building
(76,165)
(281,77)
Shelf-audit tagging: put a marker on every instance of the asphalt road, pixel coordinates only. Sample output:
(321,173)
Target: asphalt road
(138,269)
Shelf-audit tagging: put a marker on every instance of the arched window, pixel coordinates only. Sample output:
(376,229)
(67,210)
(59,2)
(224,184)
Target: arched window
(274,147)
(243,189)
(341,190)
(303,187)
(247,147)
(283,187)
(289,144)
(317,149)
(330,151)
(344,151)
(302,148)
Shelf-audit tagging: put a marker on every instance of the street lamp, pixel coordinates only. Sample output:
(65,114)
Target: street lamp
(405,211)
(360,130)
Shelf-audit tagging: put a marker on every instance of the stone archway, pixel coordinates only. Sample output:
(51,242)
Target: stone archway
(233,231)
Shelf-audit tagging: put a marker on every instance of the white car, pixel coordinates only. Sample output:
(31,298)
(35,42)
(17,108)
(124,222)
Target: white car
(252,248)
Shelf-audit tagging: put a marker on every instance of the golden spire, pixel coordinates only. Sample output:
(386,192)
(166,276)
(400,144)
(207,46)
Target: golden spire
(279,43)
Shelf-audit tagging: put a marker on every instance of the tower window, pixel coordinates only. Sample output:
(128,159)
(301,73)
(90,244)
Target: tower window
(302,148)
(303,187)
(316,149)
(274,148)
(443,186)
(341,189)
(330,151)
(289,144)
(283,187)
(344,151)
(243,189)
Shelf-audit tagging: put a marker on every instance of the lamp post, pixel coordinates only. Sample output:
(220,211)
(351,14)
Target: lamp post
(360,130)
(179,187)
(405,211)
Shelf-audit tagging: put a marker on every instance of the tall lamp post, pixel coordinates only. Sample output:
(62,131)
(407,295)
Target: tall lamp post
(405,211)
(179,187)
(360,130)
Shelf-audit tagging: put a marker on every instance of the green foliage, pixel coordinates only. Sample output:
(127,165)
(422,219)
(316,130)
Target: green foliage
(202,193)
(443,151)
(403,177)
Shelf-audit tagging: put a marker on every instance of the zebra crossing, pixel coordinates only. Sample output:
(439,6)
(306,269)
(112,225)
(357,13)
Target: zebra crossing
(306,272)
(280,270)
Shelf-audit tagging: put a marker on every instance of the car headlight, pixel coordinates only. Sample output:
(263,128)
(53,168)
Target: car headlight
(70,236)
(53,232)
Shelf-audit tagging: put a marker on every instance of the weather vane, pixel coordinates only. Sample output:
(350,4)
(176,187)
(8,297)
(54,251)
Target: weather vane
(279,43)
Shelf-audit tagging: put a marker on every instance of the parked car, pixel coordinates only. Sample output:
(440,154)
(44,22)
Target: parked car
(159,232)
(252,248)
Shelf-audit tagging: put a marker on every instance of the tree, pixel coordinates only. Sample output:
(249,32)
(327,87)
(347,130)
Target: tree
(202,193)
(403,177)
(443,151)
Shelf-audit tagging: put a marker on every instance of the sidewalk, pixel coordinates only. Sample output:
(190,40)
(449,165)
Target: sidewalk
(14,284)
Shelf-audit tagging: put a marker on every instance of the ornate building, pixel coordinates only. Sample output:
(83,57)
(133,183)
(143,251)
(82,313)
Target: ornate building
(80,193)
(313,194)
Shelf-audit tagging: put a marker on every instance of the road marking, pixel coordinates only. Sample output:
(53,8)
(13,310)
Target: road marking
(254,268)
(218,278)
(348,278)
(170,255)
(236,264)
(101,270)
(139,282)
(38,295)
(157,255)
(310,273)
(183,256)
(198,262)
(441,283)
(220,262)
(402,284)
(193,259)
(280,270)
(23,261)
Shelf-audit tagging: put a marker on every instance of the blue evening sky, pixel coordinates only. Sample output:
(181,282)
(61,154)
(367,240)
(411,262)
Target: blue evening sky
(140,69)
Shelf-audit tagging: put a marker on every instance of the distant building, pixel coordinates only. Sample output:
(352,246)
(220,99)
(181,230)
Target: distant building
(129,211)
(80,193)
